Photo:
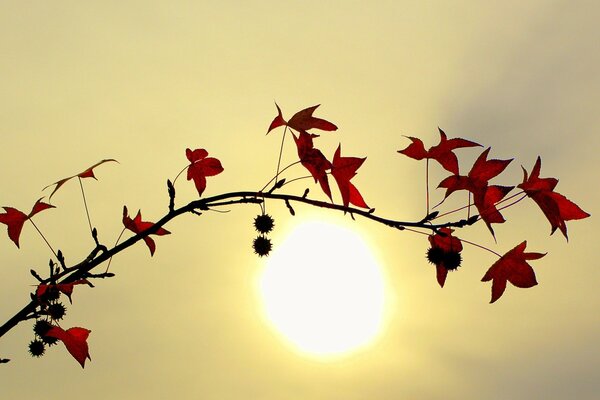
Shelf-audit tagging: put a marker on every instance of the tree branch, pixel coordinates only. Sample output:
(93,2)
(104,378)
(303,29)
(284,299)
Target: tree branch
(101,254)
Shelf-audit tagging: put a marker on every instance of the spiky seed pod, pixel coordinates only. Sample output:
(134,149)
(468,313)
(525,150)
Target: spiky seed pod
(435,255)
(264,223)
(56,311)
(452,260)
(36,348)
(41,327)
(51,294)
(262,245)
(448,259)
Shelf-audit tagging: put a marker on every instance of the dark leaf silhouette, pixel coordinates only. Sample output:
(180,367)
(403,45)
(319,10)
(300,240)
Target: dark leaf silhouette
(442,152)
(75,340)
(15,219)
(343,169)
(556,207)
(88,173)
(313,160)
(512,267)
(200,167)
(302,121)
(136,225)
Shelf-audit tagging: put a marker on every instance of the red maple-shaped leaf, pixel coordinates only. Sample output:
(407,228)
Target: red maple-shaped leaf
(136,225)
(444,253)
(442,152)
(302,121)
(200,167)
(66,288)
(512,267)
(313,160)
(15,219)
(88,173)
(556,207)
(343,169)
(485,196)
(75,340)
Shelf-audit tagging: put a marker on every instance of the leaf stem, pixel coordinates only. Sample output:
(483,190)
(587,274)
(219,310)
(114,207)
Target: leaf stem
(43,237)
(280,152)
(275,177)
(87,212)
(427,183)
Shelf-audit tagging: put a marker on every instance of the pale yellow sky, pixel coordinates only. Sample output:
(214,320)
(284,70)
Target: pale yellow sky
(140,81)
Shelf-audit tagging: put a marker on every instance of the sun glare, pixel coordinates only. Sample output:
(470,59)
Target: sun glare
(323,290)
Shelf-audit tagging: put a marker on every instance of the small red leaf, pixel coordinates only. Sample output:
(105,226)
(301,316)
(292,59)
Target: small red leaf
(313,160)
(449,245)
(343,169)
(512,267)
(476,182)
(442,152)
(75,340)
(66,288)
(303,120)
(556,207)
(200,167)
(277,121)
(15,219)
(136,225)
(88,173)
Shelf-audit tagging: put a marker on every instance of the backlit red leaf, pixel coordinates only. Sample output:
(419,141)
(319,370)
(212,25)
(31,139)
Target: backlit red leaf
(88,173)
(512,267)
(442,152)
(15,219)
(66,288)
(303,120)
(556,207)
(136,225)
(343,169)
(75,340)
(448,244)
(484,196)
(200,167)
(277,121)
(485,202)
(313,160)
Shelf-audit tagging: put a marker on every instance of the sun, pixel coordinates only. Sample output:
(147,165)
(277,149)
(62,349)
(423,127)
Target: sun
(323,290)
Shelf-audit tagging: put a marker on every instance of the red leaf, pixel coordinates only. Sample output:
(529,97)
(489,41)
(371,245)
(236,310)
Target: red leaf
(15,219)
(556,207)
(448,244)
(485,202)
(200,167)
(512,267)
(277,121)
(75,340)
(136,225)
(476,182)
(303,120)
(313,160)
(66,288)
(343,169)
(442,152)
(88,173)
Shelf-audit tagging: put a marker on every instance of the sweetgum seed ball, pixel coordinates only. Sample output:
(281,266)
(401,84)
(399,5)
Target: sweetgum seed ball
(264,223)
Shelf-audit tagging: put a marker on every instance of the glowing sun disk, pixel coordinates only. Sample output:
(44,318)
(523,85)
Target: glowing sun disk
(323,290)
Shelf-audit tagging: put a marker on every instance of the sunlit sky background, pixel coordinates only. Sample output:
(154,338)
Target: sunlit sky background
(140,81)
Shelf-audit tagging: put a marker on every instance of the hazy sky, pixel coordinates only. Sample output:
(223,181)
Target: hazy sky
(140,81)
